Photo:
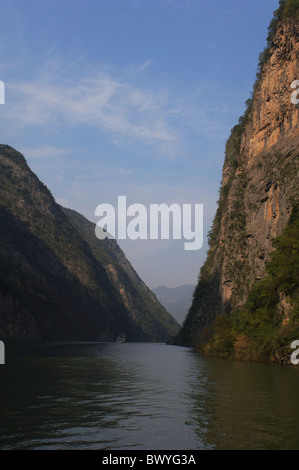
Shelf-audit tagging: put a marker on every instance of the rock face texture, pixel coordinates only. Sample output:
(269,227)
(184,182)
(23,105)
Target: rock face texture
(274,116)
(58,282)
(259,189)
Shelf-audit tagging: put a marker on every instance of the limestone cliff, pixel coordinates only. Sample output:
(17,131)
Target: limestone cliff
(259,184)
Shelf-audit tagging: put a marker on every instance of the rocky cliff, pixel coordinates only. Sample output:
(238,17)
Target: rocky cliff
(55,283)
(259,184)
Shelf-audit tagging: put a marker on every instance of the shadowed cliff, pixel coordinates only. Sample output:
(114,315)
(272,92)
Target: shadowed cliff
(54,281)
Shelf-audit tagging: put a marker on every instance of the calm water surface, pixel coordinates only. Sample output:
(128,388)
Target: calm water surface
(143,396)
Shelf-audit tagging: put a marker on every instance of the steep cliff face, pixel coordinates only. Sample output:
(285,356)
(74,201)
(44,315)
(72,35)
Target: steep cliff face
(259,188)
(264,170)
(53,283)
(141,303)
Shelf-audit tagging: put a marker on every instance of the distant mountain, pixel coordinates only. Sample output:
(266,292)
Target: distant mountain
(57,280)
(176,300)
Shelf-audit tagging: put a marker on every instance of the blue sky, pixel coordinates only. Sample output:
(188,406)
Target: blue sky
(130,97)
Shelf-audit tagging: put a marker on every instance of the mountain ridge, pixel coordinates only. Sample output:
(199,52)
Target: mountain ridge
(137,297)
(52,286)
(177,300)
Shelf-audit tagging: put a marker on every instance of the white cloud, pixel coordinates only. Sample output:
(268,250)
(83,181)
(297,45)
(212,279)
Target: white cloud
(102,102)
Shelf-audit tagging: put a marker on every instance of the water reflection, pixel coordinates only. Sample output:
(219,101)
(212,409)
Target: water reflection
(142,396)
(248,406)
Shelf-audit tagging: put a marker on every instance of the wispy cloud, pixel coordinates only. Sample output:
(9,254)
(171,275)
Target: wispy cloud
(163,120)
(136,69)
(102,102)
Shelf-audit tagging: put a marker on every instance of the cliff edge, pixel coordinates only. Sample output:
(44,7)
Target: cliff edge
(258,194)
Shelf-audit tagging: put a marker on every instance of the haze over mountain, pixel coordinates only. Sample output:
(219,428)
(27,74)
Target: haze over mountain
(176,300)
(57,280)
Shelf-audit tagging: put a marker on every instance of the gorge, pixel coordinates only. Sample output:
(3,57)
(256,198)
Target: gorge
(57,280)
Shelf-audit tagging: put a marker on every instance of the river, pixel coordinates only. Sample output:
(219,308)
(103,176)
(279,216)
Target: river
(143,396)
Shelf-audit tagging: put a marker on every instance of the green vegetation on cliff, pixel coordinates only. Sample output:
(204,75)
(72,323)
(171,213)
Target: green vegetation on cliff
(288,10)
(245,305)
(265,327)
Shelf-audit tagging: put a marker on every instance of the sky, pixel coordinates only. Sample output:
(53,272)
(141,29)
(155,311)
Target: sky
(134,98)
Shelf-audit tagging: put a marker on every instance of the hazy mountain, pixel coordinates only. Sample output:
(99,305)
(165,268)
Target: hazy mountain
(176,300)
